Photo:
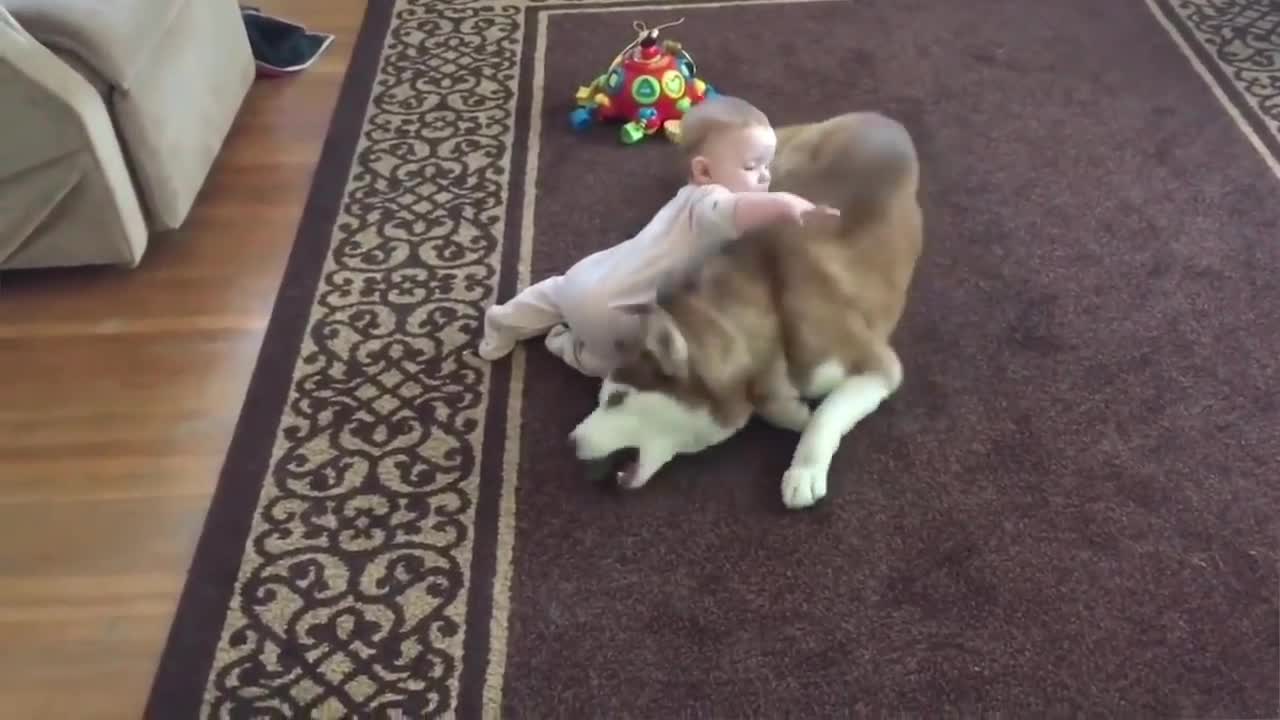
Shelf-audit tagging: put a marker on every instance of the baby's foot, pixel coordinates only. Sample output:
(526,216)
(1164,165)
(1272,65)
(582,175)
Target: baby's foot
(493,347)
(496,343)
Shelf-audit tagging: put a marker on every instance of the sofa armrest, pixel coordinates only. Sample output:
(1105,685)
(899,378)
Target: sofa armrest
(66,197)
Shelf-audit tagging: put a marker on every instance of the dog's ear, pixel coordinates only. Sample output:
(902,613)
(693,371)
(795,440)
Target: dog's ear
(659,337)
(641,309)
(666,344)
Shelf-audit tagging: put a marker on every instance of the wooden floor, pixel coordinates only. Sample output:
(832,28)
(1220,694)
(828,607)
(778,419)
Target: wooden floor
(118,397)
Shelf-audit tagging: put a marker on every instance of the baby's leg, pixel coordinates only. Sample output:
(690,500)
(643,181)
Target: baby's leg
(530,313)
(562,343)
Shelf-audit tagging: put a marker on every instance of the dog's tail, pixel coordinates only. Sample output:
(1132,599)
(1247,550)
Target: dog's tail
(884,166)
(857,162)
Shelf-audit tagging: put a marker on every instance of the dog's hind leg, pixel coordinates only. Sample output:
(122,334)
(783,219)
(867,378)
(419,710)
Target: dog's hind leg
(856,397)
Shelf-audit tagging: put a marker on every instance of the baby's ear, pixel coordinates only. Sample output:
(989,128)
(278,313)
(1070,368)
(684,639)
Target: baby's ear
(700,169)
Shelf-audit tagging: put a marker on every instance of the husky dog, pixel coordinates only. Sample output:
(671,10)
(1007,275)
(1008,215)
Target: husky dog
(785,315)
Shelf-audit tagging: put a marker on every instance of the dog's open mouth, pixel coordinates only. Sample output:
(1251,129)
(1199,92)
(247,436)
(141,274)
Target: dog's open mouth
(619,467)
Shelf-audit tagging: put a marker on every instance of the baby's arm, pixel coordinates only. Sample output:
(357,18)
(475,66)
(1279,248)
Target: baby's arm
(723,214)
(756,209)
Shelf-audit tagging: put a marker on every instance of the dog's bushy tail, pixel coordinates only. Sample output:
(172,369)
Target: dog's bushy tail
(858,163)
(885,166)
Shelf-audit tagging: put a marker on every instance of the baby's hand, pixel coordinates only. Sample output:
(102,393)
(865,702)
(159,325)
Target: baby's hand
(819,211)
(798,209)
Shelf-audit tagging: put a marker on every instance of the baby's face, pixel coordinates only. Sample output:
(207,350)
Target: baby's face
(739,159)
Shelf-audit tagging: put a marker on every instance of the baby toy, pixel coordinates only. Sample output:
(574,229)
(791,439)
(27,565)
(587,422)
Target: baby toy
(648,87)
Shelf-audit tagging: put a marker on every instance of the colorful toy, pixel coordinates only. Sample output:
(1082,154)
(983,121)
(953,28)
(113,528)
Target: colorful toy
(648,87)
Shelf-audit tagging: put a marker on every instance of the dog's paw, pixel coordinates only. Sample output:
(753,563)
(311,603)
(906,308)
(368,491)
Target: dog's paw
(802,486)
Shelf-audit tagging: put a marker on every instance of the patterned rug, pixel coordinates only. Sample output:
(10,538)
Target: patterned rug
(1070,508)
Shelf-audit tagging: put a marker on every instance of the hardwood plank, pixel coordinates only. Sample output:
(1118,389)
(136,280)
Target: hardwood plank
(143,367)
(122,390)
(48,481)
(158,533)
(81,668)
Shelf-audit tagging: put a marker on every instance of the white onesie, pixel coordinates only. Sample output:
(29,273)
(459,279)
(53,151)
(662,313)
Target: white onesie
(579,309)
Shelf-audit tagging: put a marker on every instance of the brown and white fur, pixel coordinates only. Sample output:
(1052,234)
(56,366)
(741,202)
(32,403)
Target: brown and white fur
(780,316)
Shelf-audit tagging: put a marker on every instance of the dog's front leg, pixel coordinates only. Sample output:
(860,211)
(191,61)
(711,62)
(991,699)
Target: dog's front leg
(778,401)
(856,397)
(786,412)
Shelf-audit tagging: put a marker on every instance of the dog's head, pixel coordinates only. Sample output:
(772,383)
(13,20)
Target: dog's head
(654,406)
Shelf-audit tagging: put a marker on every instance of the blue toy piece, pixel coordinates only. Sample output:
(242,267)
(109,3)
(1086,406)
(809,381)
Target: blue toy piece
(581,118)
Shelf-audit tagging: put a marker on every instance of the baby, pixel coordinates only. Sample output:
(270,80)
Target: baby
(728,145)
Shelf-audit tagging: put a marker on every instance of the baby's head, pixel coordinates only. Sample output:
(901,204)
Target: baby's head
(728,141)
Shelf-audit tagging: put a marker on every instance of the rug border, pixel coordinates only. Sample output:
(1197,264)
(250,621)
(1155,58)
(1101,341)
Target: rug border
(482,597)
(1250,120)
(182,672)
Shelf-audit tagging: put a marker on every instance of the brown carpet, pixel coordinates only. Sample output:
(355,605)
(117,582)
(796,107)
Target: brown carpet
(1070,508)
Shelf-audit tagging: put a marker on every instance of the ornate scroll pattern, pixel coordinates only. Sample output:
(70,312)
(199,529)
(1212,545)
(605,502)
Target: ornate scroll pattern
(1244,37)
(352,593)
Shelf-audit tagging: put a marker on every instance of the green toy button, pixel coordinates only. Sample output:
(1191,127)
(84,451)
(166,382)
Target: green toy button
(632,133)
(645,90)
